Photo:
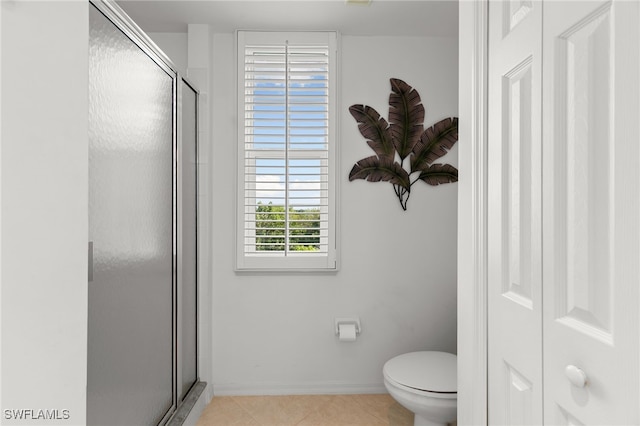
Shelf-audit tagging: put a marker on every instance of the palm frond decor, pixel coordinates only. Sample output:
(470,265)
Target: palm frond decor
(402,138)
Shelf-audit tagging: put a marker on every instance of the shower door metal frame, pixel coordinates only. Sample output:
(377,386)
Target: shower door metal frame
(124,23)
(179,174)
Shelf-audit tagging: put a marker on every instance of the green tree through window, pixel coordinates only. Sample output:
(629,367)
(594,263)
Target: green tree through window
(304,228)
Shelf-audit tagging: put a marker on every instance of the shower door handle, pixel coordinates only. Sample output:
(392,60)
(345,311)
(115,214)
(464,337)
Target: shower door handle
(90,261)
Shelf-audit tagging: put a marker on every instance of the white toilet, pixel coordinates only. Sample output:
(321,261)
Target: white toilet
(425,383)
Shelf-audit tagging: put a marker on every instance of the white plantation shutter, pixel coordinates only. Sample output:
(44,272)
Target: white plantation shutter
(286,146)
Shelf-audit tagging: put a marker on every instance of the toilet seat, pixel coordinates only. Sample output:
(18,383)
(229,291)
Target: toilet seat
(425,372)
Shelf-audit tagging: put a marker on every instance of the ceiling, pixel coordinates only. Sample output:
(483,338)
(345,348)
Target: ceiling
(381,17)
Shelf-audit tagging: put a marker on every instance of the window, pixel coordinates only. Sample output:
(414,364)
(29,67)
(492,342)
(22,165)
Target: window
(286,151)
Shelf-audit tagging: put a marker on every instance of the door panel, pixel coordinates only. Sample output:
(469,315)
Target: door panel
(188,240)
(591,217)
(514,213)
(130,335)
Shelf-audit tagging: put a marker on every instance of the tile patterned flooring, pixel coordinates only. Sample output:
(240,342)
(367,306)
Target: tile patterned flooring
(305,410)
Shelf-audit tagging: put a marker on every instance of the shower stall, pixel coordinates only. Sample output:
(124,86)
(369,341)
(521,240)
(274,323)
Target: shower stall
(142,307)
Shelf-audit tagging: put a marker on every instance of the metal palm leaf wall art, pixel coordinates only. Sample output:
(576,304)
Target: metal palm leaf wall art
(402,138)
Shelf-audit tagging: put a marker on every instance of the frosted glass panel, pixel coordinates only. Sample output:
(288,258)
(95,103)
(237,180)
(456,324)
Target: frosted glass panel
(130,343)
(188,280)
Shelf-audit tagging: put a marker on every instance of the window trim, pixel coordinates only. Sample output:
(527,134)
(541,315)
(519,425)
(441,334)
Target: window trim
(324,262)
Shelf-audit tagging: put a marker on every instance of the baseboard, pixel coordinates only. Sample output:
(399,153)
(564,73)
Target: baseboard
(315,388)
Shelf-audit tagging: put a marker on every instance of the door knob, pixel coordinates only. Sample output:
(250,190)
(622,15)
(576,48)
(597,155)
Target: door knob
(576,376)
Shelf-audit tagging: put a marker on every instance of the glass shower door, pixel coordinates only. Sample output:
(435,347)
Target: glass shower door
(131,212)
(188,240)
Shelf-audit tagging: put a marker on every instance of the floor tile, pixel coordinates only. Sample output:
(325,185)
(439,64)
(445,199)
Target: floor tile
(306,410)
(342,410)
(281,410)
(386,408)
(224,411)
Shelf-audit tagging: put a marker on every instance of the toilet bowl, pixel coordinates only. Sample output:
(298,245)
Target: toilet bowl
(425,383)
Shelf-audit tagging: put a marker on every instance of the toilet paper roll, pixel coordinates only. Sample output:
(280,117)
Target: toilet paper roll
(347,332)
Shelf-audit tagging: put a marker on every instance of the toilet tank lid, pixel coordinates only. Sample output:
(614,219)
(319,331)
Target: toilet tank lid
(427,370)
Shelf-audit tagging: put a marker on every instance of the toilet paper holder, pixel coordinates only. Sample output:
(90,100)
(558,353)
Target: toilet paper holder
(339,321)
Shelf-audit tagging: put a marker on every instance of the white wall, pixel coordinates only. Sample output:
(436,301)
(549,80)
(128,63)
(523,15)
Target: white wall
(273,333)
(44,166)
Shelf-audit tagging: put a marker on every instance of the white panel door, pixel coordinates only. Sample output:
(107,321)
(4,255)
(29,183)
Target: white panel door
(591,213)
(514,213)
